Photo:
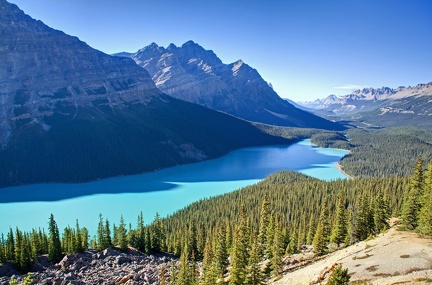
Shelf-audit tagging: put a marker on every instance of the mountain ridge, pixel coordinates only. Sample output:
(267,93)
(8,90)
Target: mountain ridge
(70,113)
(197,75)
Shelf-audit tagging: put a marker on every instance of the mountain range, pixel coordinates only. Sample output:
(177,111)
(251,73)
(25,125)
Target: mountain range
(402,106)
(71,113)
(196,75)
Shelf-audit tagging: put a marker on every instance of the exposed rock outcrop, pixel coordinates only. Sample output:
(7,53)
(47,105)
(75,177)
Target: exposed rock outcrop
(107,267)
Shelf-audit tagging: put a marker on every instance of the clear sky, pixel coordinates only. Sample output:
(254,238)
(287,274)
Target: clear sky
(307,49)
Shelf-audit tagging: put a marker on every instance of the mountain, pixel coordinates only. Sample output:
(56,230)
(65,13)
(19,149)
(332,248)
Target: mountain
(194,74)
(402,106)
(71,113)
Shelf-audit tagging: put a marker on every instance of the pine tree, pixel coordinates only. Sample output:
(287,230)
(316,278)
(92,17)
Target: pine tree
(84,238)
(363,219)
(210,273)
(121,234)
(25,259)
(193,269)
(140,232)
(339,276)
(156,234)
(270,236)
(221,253)
(184,275)
(425,215)
(254,274)
(192,238)
(380,213)
(239,255)
(292,247)
(10,246)
(54,244)
(100,234)
(277,251)
(311,230)
(264,221)
(412,204)
(107,242)
(321,237)
(339,230)
(2,251)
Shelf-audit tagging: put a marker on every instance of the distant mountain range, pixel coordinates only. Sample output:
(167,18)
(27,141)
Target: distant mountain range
(71,113)
(193,74)
(402,106)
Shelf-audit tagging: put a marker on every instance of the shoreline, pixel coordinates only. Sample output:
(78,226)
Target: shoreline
(339,167)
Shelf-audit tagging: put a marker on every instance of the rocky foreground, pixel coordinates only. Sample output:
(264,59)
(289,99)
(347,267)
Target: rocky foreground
(110,266)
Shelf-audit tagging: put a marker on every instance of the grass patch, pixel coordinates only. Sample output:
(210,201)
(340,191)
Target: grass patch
(412,269)
(372,268)
(362,257)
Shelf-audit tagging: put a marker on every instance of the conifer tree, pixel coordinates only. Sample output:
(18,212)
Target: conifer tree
(311,230)
(254,274)
(364,223)
(239,256)
(425,215)
(121,234)
(54,244)
(263,223)
(292,247)
(321,237)
(277,251)
(85,238)
(140,232)
(184,275)
(2,251)
(156,234)
(339,276)
(10,246)
(339,230)
(412,204)
(107,242)
(380,213)
(100,234)
(221,253)
(270,236)
(193,269)
(25,258)
(210,273)
(192,238)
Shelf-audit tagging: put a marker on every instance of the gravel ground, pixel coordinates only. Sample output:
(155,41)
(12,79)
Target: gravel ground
(394,257)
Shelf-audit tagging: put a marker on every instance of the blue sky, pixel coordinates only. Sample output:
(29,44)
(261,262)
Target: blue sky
(307,49)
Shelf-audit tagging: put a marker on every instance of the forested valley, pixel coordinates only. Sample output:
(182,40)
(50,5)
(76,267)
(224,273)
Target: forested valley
(242,237)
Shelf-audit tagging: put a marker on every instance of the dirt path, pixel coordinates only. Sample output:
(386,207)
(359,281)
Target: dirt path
(391,258)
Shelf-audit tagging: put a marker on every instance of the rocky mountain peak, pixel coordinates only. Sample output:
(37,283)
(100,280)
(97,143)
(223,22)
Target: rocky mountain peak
(197,75)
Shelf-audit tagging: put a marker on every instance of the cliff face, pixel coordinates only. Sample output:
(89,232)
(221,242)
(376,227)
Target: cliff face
(71,113)
(43,69)
(197,75)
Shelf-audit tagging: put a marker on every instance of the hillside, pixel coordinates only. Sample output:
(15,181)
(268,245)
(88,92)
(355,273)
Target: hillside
(191,73)
(395,257)
(381,107)
(71,113)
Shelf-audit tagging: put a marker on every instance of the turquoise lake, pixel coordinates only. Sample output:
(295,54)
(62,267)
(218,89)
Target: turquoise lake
(164,191)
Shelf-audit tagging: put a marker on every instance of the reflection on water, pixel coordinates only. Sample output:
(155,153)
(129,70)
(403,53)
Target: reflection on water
(163,191)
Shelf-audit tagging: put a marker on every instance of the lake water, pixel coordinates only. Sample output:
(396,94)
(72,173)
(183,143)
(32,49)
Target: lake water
(163,191)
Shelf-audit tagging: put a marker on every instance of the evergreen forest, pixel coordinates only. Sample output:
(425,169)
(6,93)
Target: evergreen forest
(241,237)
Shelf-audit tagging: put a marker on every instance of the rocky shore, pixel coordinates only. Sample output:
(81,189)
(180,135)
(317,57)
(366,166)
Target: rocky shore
(110,266)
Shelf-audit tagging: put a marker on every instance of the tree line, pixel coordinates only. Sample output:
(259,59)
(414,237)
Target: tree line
(241,237)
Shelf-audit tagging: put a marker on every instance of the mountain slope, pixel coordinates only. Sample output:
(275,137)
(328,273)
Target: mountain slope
(71,113)
(197,75)
(402,106)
